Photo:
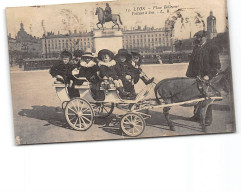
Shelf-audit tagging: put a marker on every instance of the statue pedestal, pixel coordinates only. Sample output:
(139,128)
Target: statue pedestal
(110,39)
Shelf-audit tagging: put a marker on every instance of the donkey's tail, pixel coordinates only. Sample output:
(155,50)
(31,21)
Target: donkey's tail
(120,19)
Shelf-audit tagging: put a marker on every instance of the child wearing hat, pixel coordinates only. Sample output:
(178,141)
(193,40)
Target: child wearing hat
(139,74)
(63,72)
(107,67)
(126,71)
(88,68)
(77,56)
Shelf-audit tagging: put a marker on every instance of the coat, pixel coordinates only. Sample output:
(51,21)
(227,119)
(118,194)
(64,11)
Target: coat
(204,61)
(123,69)
(88,70)
(108,69)
(136,71)
(64,70)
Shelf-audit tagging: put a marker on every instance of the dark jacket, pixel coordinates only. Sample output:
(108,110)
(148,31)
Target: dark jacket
(136,71)
(64,70)
(89,71)
(123,69)
(204,61)
(108,69)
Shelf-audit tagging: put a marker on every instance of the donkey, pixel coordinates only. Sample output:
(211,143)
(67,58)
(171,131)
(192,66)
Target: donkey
(174,90)
(102,19)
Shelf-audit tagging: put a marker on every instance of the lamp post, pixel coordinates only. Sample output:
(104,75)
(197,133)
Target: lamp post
(45,45)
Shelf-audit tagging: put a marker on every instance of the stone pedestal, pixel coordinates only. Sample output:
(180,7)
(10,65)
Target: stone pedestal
(108,39)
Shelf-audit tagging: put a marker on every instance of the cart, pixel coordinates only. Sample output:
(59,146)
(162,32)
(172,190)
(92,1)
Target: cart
(80,112)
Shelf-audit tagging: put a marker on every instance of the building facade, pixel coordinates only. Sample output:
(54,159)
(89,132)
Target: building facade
(148,41)
(23,46)
(54,44)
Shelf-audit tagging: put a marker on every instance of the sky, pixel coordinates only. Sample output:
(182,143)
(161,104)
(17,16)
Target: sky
(81,17)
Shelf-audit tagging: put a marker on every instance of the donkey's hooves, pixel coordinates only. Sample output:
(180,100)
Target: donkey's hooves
(172,128)
(204,128)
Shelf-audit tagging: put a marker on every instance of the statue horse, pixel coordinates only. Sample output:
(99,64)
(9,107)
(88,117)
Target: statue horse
(174,90)
(103,19)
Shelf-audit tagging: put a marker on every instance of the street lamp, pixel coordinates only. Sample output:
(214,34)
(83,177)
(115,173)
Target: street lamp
(45,45)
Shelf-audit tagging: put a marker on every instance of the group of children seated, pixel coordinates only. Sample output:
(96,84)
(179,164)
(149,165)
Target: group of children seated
(105,71)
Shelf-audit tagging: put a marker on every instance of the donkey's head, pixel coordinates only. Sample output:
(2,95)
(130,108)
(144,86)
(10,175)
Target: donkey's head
(223,80)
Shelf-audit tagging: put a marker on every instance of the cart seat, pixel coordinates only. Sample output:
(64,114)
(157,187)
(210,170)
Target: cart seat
(85,85)
(59,84)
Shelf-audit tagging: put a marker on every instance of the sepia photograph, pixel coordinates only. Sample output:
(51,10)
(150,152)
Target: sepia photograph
(117,70)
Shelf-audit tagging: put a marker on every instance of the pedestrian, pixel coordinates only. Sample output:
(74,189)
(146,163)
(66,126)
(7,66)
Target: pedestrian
(204,63)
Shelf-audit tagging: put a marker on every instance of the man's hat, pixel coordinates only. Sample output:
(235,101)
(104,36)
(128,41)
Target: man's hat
(201,33)
(103,52)
(78,53)
(66,54)
(88,53)
(123,52)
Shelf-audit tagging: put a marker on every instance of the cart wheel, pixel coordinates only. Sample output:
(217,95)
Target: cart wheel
(132,124)
(79,114)
(103,110)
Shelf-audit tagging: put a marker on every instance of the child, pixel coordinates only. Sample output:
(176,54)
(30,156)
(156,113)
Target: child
(87,67)
(125,71)
(63,73)
(107,66)
(136,62)
(77,56)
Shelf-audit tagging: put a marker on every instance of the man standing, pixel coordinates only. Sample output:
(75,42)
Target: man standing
(205,63)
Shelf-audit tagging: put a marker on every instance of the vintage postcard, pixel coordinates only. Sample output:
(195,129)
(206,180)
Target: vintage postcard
(120,70)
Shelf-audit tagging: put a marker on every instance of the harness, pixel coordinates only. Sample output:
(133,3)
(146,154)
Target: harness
(204,85)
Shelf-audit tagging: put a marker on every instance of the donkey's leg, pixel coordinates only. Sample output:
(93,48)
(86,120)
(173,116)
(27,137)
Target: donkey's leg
(203,111)
(167,116)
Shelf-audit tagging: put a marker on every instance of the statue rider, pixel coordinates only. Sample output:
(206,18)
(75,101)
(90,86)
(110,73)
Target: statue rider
(107,11)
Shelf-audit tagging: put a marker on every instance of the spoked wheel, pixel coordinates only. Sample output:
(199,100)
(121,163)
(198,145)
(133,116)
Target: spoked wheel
(103,110)
(79,114)
(132,124)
